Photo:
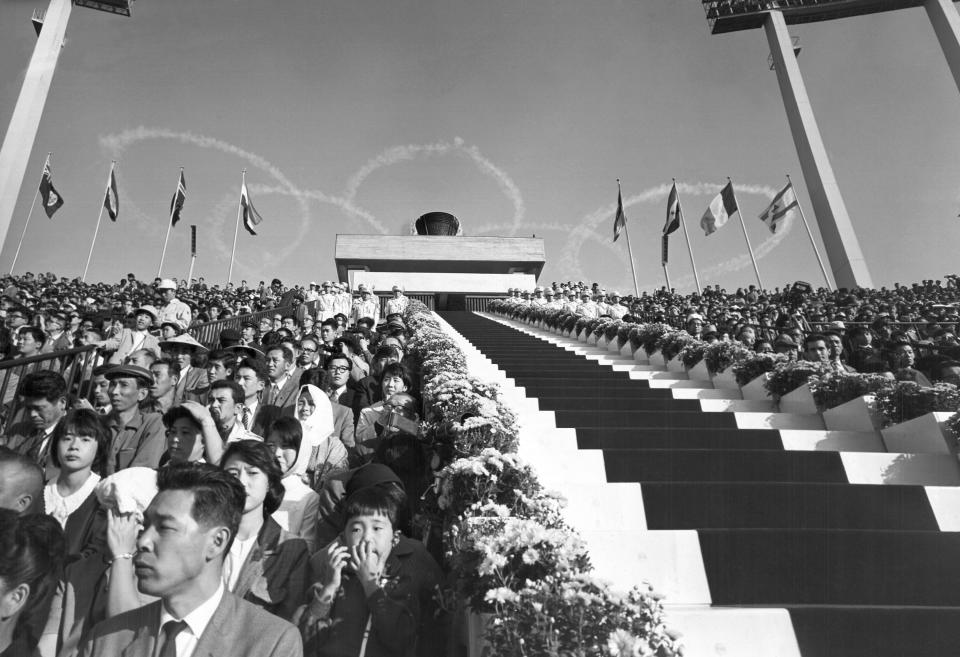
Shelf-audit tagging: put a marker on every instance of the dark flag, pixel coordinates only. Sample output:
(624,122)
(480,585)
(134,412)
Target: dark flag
(620,221)
(251,217)
(176,203)
(674,213)
(52,201)
(111,200)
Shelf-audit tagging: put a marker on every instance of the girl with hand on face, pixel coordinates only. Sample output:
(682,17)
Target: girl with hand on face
(81,442)
(266,565)
(301,504)
(326,455)
(373,594)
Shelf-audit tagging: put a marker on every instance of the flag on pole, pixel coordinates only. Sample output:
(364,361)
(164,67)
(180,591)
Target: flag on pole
(251,217)
(176,203)
(111,200)
(721,208)
(780,207)
(52,201)
(620,221)
(674,213)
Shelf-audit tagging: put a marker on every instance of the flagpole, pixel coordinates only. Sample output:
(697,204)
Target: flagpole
(816,251)
(173,208)
(96,230)
(633,267)
(666,275)
(237,229)
(744,227)
(683,224)
(193,254)
(29,214)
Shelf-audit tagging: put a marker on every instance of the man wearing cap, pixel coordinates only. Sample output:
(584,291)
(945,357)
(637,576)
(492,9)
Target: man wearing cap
(554,302)
(570,306)
(615,309)
(173,309)
(194,382)
(367,306)
(587,307)
(133,339)
(538,299)
(326,302)
(344,299)
(786,345)
(398,304)
(137,438)
(313,294)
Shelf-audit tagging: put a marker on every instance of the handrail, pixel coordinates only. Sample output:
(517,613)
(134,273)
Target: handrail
(208,333)
(75,365)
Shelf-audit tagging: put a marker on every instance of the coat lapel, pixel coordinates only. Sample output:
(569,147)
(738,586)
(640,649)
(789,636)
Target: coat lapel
(145,639)
(215,636)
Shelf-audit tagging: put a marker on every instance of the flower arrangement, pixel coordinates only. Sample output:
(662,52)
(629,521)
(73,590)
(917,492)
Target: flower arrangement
(747,369)
(493,550)
(787,377)
(624,330)
(692,353)
(504,538)
(721,355)
(835,388)
(673,342)
(581,324)
(578,615)
(953,425)
(648,335)
(905,400)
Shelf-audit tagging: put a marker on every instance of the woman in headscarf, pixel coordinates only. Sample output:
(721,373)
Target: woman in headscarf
(298,510)
(321,453)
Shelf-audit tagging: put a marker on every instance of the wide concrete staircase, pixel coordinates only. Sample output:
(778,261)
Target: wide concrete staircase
(767,534)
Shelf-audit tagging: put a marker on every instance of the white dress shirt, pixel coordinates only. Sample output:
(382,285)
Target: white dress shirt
(197,621)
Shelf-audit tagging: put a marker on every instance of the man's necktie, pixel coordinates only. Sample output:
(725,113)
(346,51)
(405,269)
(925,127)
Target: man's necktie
(171,630)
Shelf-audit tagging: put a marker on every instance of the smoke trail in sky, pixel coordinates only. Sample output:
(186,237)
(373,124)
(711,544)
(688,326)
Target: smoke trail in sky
(569,261)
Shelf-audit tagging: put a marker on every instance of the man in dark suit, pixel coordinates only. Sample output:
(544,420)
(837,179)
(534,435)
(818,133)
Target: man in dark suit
(343,389)
(283,383)
(194,383)
(44,396)
(188,529)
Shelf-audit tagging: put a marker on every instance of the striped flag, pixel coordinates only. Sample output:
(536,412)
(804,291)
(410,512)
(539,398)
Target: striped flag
(780,207)
(251,217)
(52,201)
(176,203)
(111,200)
(620,221)
(721,209)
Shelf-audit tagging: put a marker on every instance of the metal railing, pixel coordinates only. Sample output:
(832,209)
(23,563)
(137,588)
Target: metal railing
(74,365)
(478,303)
(208,333)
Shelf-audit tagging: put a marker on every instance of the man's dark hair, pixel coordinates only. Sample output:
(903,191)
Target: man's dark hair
(255,364)
(235,388)
(222,356)
(287,354)
(397,370)
(315,377)
(49,385)
(814,337)
(330,322)
(173,366)
(218,497)
(260,456)
(339,356)
(288,433)
(175,413)
(38,335)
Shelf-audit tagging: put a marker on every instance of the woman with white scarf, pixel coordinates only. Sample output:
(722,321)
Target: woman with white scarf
(321,452)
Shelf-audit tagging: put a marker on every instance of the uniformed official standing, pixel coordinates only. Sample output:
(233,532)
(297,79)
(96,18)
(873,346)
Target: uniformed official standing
(397,304)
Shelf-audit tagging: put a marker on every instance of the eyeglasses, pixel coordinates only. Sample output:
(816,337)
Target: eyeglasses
(338,370)
(307,350)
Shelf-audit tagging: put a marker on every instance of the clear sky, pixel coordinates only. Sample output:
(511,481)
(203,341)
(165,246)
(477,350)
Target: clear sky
(357,116)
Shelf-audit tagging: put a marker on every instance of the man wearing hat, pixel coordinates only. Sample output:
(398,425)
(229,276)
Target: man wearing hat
(615,309)
(133,339)
(367,306)
(786,345)
(194,382)
(398,304)
(587,307)
(313,294)
(136,438)
(327,302)
(344,302)
(554,302)
(571,304)
(538,298)
(173,309)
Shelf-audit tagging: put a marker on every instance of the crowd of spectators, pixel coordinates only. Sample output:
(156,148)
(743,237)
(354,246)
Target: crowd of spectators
(907,331)
(264,485)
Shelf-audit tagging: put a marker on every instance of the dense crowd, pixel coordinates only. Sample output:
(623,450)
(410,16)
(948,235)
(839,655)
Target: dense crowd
(265,487)
(907,331)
